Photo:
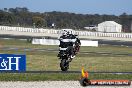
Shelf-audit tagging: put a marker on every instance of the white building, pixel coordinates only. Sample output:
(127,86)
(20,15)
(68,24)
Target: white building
(109,26)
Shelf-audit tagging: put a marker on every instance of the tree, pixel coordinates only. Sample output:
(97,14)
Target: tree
(39,21)
(126,22)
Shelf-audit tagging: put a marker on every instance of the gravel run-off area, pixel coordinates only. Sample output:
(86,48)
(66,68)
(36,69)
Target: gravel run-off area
(51,84)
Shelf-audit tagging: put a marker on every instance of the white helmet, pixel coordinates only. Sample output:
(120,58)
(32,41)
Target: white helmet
(67,31)
(64,32)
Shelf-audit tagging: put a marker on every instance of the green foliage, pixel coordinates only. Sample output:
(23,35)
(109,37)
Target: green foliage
(23,17)
(38,21)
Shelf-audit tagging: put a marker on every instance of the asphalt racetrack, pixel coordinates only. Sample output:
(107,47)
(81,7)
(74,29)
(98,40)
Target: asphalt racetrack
(116,43)
(100,41)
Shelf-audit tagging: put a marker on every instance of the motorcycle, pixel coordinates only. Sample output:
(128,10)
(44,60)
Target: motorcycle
(65,59)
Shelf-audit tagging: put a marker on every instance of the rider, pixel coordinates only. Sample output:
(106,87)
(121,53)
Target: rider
(63,41)
(68,42)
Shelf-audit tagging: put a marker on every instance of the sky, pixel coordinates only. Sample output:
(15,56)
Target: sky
(110,7)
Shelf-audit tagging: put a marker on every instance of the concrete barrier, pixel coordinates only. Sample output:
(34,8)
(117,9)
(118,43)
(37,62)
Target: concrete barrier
(56,42)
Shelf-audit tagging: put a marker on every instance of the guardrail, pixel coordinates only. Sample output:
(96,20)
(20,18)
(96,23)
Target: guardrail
(53,31)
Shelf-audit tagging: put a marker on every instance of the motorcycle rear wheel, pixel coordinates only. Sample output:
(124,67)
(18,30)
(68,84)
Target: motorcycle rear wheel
(64,65)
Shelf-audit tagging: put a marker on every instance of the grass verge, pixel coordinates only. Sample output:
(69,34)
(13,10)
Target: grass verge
(57,76)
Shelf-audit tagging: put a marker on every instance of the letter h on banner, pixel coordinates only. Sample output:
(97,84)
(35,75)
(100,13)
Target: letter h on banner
(15,63)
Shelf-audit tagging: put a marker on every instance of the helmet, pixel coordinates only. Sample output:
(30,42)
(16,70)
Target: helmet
(67,32)
(64,32)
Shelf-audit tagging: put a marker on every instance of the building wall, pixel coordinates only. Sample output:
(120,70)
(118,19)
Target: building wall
(109,27)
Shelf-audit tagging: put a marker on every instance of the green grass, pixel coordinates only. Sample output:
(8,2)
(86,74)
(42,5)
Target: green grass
(21,44)
(41,61)
(37,76)
(47,60)
(57,76)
